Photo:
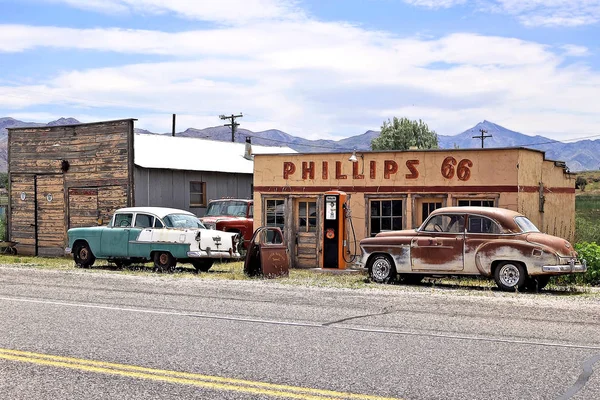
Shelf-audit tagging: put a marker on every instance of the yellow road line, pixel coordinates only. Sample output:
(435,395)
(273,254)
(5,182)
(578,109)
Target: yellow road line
(205,381)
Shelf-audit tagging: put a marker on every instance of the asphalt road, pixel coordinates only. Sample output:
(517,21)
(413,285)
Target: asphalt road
(82,335)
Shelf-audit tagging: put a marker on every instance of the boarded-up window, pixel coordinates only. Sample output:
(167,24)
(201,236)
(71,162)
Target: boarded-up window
(198,194)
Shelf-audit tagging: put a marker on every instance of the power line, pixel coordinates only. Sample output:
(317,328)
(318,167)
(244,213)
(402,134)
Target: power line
(233,124)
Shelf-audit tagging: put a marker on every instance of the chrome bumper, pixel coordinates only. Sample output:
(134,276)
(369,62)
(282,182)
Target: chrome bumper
(572,266)
(208,253)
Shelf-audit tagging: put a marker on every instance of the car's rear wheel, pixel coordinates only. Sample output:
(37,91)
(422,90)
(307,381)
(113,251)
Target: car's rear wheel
(382,269)
(203,265)
(83,256)
(164,261)
(510,276)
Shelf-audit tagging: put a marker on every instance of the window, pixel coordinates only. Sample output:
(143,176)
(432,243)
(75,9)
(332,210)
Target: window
(428,206)
(274,213)
(476,202)
(451,223)
(158,223)
(385,215)
(123,220)
(198,194)
(143,221)
(479,224)
(526,225)
(307,216)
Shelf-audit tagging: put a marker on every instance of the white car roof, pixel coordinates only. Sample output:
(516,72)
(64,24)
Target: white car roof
(160,212)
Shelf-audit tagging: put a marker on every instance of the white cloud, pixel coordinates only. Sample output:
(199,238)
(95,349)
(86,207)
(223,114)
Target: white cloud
(310,78)
(222,11)
(569,13)
(435,3)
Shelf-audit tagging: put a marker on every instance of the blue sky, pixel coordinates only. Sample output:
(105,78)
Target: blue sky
(312,68)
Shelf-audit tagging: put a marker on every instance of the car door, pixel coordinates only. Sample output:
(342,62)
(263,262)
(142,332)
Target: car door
(141,221)
(439,244)
(480,230)
(115,240)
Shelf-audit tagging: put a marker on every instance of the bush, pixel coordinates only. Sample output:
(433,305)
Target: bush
(590,252)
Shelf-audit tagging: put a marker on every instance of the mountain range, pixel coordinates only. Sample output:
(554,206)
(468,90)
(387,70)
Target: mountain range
(579,156)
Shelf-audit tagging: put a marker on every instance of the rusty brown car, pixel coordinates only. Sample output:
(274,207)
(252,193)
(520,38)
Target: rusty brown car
(482,241)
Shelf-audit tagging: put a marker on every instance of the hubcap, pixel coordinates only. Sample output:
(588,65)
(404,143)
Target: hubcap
(381,269)
(509,275)
(83,254)
(163,259)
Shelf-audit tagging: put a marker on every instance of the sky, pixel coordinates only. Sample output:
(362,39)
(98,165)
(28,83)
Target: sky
(319,69)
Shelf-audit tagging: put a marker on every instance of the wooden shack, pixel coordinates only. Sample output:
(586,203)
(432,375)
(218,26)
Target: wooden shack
(66,176)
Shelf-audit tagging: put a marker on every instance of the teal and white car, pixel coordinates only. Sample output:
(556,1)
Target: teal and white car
(162,235)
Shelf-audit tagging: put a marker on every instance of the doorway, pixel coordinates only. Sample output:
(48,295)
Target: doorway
(306,223)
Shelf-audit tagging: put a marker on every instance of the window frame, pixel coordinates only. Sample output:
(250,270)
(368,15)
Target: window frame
(495,223)
(380,198)
(202,194)
(282,214)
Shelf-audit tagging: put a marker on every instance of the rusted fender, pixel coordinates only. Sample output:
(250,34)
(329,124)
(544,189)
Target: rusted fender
(532,255)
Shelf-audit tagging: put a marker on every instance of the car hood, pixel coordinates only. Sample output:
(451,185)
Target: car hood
(560,245)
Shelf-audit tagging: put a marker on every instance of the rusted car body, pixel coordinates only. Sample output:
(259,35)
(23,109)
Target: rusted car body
(484,241)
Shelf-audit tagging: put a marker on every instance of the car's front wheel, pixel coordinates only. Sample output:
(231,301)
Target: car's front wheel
(510,276)
(164,261)
(203,265)
(83,256)
(382,269)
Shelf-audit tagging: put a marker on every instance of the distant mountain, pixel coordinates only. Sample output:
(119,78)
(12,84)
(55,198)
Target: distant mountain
(579,156)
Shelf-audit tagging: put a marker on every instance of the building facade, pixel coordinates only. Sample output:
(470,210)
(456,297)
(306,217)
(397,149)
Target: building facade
(398,190)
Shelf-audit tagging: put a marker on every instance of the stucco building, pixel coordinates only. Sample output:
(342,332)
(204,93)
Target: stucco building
(398,190)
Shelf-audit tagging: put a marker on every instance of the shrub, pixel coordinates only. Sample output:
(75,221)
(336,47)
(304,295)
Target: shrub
(590,251)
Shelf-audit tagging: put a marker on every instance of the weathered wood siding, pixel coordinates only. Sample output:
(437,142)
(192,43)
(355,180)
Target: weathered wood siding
(66,176)
(171,188)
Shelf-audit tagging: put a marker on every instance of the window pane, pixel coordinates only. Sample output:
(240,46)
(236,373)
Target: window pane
(386,208)
(196,187)
(375,227)
(375,205)
(157,223)
(386,224)
(143,221)
(195,198)
(397,223)
(123,220)
(397,208)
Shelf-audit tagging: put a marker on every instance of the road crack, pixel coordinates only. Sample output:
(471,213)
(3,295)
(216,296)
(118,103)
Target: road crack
(588,370)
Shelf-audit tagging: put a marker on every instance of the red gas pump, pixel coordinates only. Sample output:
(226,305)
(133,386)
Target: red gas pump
(334,229)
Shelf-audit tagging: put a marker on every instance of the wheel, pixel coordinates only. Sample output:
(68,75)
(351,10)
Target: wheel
(510,276)
(164,262)
(382,269)
(535,284)
(83,256)
(411,279)
(203,265)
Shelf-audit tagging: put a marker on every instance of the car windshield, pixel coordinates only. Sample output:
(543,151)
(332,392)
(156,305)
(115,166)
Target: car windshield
(526,225)
(182,221)
(230,208)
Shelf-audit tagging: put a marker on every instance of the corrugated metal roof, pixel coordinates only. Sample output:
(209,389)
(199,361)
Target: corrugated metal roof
(193,154)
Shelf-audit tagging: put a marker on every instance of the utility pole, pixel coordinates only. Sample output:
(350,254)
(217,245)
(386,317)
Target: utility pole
(173,131)
(233,124)
(482,136)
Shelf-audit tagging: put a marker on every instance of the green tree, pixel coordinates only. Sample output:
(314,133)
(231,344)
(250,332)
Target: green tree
(580,183)
(402,134)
